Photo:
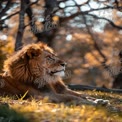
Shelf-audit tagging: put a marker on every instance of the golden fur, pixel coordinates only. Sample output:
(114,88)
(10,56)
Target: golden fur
(35,69)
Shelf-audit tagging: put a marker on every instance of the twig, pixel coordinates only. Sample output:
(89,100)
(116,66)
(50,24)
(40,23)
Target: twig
(9,16)
(5,9)
(64,19)
(112,23)
(19,11)
(85,87)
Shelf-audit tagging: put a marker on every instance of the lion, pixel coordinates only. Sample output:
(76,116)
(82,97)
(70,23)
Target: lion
(38,71)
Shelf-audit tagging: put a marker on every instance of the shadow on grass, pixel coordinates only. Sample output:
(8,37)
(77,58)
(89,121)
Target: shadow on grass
(9,115)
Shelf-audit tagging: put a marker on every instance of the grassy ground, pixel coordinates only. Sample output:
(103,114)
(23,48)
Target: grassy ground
(42,111)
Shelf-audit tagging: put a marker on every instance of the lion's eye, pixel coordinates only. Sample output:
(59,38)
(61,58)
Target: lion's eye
(49,58)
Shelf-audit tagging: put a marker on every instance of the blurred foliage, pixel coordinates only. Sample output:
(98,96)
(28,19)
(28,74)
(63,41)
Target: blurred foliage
(6,49)
(9,115)
(2,55)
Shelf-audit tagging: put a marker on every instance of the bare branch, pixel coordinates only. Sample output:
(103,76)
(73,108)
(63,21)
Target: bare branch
(86,87)
(10,16)
(50,5)
(30,4)
(5,9)
(112,23)
(63,19)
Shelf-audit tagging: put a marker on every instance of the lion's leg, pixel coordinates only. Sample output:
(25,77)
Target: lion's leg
(58,94)
(61,89)
(63,98)
(58,98)
(71,92)
(88,98)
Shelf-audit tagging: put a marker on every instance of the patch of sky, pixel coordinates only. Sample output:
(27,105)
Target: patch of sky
(71,10)
(85,8)
(94,4)
(60,14)
(70,3)
(119,14)
(120,32)
(79,2)
(3,37)
(41,19)
(67,14)
(77,22)
(62,5)
(69,37)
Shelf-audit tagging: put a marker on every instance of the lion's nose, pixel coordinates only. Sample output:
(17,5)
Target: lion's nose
(63,64)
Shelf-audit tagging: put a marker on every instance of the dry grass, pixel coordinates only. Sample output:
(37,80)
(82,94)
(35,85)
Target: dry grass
(42,111)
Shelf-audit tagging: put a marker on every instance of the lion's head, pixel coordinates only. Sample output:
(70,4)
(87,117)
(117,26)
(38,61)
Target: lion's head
(35,61)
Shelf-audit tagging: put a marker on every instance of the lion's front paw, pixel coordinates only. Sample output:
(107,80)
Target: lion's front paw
(102,102)
(98,101)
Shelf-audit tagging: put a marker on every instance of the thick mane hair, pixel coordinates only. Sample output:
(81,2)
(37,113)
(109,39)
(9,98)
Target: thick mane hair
(17,66)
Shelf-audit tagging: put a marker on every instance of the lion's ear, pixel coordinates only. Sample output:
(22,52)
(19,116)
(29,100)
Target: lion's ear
(33,52)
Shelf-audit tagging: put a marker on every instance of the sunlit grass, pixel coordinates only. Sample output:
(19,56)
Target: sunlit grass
(43,111)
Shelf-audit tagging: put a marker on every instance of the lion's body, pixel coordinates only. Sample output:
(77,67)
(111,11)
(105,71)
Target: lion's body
(36,70)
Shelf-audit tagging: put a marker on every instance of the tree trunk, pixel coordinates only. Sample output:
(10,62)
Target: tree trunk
(18,43)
